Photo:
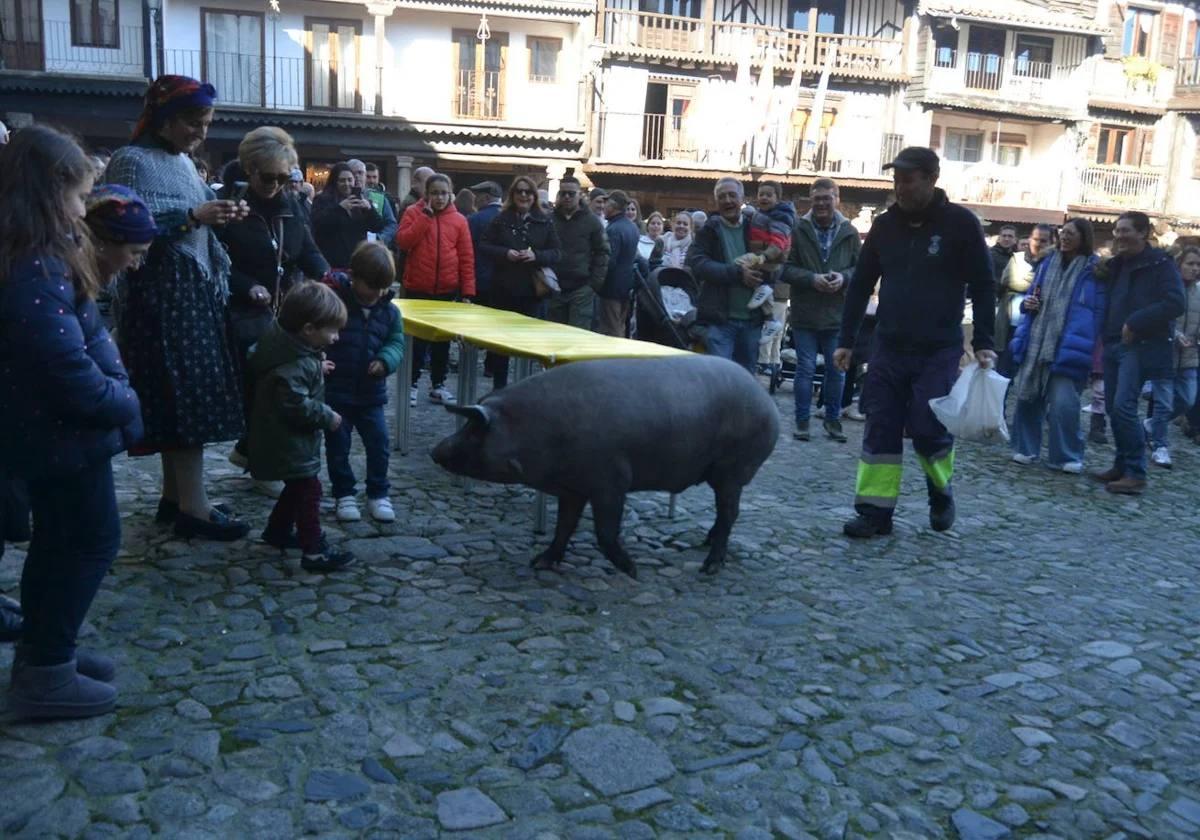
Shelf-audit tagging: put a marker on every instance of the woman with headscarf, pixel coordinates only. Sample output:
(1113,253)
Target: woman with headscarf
(172,309)
(342,217)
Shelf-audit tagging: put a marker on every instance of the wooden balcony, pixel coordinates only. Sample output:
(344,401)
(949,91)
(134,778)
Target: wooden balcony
(692,41)
(987,80)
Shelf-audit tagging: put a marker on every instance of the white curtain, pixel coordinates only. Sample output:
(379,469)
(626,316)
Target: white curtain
(233,57)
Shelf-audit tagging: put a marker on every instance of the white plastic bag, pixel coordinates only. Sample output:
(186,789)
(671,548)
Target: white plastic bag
(974,408)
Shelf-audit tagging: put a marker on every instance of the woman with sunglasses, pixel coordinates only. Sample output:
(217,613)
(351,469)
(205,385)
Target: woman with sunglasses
(269,249)
(520,241)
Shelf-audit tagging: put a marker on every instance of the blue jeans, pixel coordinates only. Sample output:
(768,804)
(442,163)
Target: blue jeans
(1172,397)
(808,343)
(735,340)
(372,428)
(1059,406)
(1123,380)
(76,534)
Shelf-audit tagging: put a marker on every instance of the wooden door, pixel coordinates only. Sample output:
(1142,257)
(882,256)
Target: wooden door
(21,35)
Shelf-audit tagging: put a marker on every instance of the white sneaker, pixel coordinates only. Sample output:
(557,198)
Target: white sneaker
(762,295)
(1161,457)
(441,396)
(347,510)
(1072,467)
(770,329)
(852,413)
(1023,459)
(412,397)
(270,489)
(381,510)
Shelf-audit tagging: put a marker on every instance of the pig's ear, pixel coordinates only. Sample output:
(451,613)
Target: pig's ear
(472,412)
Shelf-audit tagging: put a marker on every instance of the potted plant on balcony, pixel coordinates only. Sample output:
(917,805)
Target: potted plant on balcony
(1141,71)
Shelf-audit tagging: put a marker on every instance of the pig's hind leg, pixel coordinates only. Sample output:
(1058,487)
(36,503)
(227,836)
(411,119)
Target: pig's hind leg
(570,508)
(607,511)
(729,499)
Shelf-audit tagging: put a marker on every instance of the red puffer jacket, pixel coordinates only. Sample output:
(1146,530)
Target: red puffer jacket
(441,259)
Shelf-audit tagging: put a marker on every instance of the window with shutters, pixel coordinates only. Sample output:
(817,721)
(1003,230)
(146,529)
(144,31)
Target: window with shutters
(94,23)
(543,59)
(1137,35)
(1115,145)
(231,48)
(479,74)
(964,146)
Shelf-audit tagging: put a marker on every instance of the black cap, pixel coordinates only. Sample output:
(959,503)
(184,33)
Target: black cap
(916,157)
(488,188)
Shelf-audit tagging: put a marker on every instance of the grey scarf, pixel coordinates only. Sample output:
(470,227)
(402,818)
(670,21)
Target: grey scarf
(1045,333)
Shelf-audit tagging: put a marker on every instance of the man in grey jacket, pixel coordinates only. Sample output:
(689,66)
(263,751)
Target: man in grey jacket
(584,262)
(825,248)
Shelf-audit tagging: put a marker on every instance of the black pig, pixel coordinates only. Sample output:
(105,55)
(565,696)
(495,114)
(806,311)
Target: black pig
(595,431)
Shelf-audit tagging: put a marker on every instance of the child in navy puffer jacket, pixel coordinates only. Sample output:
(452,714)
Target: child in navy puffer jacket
(371,347)
(68,408)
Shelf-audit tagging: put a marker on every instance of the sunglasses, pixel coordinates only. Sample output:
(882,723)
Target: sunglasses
(282,180)
(523,191)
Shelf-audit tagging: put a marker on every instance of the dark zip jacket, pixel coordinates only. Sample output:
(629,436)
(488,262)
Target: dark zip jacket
(925,265)
(584,248)
(1146,293)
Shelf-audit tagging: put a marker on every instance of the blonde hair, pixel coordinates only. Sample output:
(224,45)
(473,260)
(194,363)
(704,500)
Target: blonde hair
(265,146)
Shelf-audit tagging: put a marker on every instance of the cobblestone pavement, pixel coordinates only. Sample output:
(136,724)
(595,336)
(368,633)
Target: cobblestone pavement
(1033,673)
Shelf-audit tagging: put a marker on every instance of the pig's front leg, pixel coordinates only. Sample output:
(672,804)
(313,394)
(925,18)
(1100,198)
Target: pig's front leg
(607,511)
(729,499)
(570,508)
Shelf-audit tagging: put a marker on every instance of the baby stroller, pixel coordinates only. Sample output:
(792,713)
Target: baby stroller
(666,306)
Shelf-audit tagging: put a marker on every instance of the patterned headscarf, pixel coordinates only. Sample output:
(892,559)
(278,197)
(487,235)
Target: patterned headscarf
(167,96)
(118,214)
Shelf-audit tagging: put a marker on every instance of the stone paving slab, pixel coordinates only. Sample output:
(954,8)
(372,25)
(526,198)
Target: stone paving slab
(1032,673)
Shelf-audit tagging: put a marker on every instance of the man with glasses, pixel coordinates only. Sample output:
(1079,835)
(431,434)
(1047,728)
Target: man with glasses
(378,200)
(584,263)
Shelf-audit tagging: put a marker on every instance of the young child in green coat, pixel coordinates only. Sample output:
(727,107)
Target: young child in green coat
(289,414)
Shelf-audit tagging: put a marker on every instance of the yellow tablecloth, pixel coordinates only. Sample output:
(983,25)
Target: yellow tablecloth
(519,335)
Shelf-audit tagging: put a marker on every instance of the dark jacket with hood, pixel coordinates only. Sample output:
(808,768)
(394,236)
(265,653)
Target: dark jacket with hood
(623,239)
(585,250)
(67,400)
(811,309)
(337,232)
(925,263)
(715,273)
(289,411)
(1145,292)
(251,244)
(374,333)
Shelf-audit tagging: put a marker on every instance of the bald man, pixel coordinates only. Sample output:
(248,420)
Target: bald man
(417,192)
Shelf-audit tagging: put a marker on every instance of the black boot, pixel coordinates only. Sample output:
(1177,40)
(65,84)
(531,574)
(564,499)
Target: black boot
(58,691)
(941,507)
(1096,433)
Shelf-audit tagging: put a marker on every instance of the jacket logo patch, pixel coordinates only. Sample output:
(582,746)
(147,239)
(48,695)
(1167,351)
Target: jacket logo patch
(935,245)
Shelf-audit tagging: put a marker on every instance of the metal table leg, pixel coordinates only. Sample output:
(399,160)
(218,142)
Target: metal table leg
(522,369)
(403,386)
(671,507)
(468,383)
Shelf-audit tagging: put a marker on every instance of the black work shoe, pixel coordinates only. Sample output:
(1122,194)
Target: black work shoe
(282,542)
(801,432)
(941,513)
(168,510)
(327,561)
(861,527)
(833,428)
(219,527)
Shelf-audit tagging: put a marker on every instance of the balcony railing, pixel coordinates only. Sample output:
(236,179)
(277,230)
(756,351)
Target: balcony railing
(1123,187)
(1187,74)
(730,42)
(1011,79)
(992,183)
(477,95)
(51,50)
(1108,81)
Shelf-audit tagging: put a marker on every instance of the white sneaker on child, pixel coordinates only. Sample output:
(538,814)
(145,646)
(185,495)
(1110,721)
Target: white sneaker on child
(770,329)
(270,489)
(762,295)
(412,397)
(381,510)
(441,396)
(347,510)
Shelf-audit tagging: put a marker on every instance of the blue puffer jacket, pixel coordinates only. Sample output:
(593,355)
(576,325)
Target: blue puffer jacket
(377,335)
(66,395)
(1085,318)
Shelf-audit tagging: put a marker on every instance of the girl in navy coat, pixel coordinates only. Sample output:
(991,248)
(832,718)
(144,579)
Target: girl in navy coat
(68,409)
